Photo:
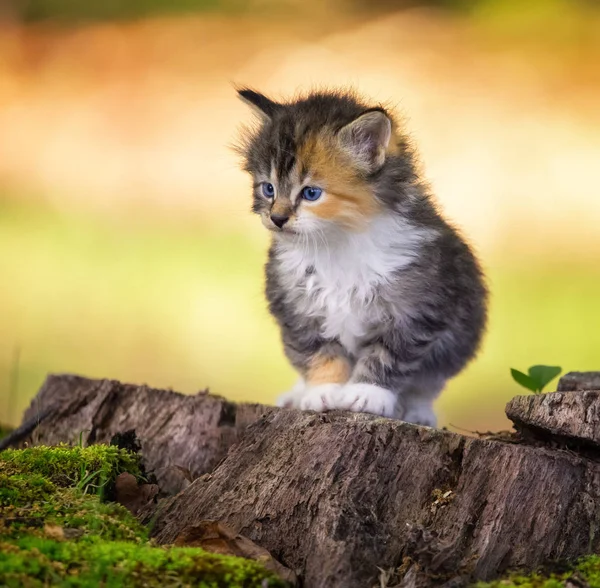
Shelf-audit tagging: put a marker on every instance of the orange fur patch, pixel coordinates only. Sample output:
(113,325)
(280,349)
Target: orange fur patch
(348,199)
(328,370)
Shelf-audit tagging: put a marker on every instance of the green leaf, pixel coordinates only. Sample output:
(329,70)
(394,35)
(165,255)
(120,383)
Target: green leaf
(544,374)
(524,380)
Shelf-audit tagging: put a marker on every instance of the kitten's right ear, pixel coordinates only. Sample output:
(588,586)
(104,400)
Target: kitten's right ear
(367,138)
(259,103)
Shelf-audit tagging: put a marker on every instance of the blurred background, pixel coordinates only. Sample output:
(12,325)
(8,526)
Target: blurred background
(127,249)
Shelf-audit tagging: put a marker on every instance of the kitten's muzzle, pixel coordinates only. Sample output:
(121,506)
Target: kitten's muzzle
(279,220)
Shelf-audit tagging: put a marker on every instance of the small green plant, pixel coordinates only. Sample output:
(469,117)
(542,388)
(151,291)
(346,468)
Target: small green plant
(537,377)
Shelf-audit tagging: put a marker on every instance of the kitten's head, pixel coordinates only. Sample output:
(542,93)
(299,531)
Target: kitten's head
(315,161)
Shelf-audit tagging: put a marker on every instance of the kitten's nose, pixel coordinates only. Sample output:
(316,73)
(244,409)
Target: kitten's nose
(279,219)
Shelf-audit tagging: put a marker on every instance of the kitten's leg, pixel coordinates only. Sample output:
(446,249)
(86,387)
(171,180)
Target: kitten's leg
(419,398)
(369,387)
(291,398)
(324,366)
(325,376)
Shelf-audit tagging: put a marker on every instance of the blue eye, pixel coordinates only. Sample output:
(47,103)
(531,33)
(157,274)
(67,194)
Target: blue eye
(268,190)
(311,193)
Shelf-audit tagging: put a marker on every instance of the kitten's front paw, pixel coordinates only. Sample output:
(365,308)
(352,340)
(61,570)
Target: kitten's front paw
(421,415)
(320,398)
(292,398)
(366,398)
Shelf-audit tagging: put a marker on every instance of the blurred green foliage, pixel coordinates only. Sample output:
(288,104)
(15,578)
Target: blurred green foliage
(76,10)
(90,10)
(182,305)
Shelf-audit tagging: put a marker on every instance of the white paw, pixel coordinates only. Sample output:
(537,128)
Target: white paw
(292,398)
(366,398)
(320,398)
(420,415)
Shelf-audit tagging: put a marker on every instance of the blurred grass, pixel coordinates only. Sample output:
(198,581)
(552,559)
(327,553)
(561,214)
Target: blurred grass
(181,305)
(546,15)
(92,10)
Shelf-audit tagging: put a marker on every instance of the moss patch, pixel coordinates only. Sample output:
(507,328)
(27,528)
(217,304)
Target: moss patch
(55,530)
(586,571)
(91,469)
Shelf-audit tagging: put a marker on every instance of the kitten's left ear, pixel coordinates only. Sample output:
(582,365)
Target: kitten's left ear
(367,139)
(264,106)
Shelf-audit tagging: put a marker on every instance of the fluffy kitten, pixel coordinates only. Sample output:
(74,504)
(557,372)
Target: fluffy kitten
(378,299)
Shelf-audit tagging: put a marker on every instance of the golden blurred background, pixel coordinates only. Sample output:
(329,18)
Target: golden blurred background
(127,249)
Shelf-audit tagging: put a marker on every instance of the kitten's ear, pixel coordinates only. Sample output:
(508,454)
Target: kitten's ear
(367,138)
(259,103)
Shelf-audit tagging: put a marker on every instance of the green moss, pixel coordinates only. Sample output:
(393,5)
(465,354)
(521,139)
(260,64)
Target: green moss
(86,468)
(35,561)
(56,530)
(585,570)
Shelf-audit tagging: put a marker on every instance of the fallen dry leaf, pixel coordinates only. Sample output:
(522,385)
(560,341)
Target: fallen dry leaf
(54,532)
(132,495)
(217,537)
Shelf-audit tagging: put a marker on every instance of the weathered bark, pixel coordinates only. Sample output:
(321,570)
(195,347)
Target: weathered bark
(571,416)
(337,496)
(192,432)
(579,381)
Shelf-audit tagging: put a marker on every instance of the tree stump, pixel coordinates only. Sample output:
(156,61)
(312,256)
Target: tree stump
(181,436)
(337,497)
(579,381)
(568,416)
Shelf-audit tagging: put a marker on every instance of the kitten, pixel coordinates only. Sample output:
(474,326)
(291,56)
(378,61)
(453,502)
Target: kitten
(378,299)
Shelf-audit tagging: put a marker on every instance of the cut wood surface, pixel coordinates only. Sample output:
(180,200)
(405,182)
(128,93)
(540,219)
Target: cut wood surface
(579,381)
(338,497)
(569,415)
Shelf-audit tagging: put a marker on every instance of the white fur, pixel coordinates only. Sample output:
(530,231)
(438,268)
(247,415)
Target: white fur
(353,397)
(366,398)
(421,413)
(348,268)
(292,398)
(320,398)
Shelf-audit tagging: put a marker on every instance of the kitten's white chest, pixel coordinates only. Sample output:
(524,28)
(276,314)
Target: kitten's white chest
(342,282)
(340,301)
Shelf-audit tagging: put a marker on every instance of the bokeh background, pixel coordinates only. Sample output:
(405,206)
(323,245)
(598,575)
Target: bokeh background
(127,249)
